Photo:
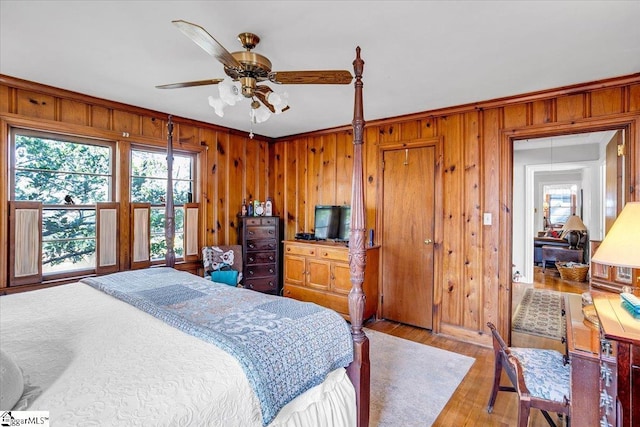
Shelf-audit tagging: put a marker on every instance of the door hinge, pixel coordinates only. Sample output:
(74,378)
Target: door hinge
(620,150)
(383,165)
(381,299)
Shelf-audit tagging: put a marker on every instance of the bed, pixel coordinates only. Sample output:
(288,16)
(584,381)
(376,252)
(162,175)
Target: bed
(111,350)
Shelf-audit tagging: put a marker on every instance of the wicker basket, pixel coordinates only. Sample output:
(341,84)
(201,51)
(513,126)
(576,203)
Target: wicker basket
(572,271)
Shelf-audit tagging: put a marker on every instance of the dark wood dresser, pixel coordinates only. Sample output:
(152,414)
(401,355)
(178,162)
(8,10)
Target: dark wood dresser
(619,363)
(605,363)
(260,240)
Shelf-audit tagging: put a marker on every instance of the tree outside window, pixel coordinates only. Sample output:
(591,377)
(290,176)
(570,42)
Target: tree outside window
(68,177)
(149,185)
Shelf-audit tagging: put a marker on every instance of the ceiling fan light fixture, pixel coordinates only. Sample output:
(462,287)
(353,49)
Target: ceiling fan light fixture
(230,92)
(259,113)
(280,101)
(218,105)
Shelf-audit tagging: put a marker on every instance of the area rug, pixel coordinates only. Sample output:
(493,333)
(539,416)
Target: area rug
(540,313)
(411,382)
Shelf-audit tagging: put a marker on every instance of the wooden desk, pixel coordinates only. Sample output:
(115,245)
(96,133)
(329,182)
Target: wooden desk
(619,355)
(612,350)
(583,348)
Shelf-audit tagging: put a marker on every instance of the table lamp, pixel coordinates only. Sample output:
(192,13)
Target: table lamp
(573,229)
(621,245)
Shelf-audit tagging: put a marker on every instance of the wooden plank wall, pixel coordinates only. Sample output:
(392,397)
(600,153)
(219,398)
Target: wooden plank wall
(473,279)
(230,166)
(473,271)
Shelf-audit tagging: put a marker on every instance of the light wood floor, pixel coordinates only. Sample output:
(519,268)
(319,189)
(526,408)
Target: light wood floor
(468,405)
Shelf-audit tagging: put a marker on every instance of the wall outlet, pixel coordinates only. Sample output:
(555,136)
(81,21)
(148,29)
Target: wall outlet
(486,218)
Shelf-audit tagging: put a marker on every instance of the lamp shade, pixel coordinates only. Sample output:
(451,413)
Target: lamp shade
(574,223)
(621,245)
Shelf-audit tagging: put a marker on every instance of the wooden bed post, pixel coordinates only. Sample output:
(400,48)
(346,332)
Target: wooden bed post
(169,215)
(359,369)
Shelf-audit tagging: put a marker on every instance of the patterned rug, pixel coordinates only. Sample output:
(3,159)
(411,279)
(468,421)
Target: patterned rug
(411,382)
(540,313)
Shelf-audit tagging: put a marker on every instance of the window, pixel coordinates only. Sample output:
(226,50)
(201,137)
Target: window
(68,176)
(149,185)
(559,202)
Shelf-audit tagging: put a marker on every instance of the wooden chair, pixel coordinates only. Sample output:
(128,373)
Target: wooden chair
(539,376)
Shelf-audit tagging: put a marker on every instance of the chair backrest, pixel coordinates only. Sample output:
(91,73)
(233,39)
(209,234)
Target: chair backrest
(501,350)
(213,256)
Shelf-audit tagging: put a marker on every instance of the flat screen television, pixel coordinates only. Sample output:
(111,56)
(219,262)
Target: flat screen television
(332,222)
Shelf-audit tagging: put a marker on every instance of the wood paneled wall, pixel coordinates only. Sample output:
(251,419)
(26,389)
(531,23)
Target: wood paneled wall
(473,275)
(230,166)
(473,271)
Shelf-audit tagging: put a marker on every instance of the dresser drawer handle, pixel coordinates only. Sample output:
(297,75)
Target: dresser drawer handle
(251,245)
(251,259)
(271,231)
(271,258)
(251,233)
(271,271)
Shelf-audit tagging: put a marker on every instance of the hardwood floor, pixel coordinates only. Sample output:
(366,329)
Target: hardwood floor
(468,405)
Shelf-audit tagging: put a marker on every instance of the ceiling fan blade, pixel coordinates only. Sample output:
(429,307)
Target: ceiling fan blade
(190,84)
(327,77)
(203,39)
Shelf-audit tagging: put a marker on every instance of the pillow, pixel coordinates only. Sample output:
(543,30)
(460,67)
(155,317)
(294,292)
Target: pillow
(11,382)
(228,277)
(213,257)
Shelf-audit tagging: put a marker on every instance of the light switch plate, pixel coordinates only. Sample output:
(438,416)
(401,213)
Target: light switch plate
(486,218)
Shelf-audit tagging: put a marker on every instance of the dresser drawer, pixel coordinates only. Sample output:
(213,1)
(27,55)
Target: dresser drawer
(267,285)
(261,220)
(300,250)
(265,257)
(266,232)
(260,270)
(262,245)
(334,254)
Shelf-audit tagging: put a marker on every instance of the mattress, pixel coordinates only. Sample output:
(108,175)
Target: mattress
(96,360)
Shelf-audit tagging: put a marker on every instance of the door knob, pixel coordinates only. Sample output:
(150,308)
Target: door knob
(428,241)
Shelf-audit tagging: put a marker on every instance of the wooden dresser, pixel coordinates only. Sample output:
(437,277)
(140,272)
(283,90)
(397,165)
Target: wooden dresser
(605,363)
(319,272)
(260,240)
(619,363)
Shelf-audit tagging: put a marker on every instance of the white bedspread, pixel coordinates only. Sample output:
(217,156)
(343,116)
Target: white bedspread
(100,361)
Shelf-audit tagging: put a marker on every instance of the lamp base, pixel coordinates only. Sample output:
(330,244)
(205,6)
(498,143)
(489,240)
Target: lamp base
(573,238)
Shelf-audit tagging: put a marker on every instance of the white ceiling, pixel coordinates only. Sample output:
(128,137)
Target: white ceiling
(419,55)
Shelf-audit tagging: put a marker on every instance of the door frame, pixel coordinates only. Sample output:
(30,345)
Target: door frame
(629,123)
(437,143)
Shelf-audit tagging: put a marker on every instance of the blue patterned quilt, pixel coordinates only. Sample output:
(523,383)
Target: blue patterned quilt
(284,346)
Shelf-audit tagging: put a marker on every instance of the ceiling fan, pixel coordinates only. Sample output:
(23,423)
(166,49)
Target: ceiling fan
(246,69)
